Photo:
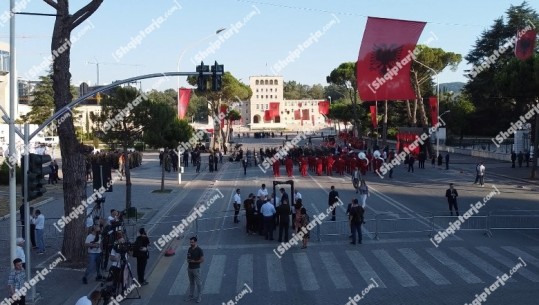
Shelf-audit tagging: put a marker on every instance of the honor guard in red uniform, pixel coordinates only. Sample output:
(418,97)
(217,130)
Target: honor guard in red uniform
(289,166)
(319,166)
(276,170)
(303,166)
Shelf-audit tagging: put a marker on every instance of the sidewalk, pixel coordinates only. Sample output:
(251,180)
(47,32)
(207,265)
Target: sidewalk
(145,179)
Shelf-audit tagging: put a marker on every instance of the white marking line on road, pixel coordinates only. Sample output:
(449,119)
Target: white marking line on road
(335,271)
(180,285)
(509,262)
(214,278)
(363,267)
(245,272)
(462,272)
(480,263)
(276,281)
(399,206)
(305,272)
(424,266)
(403,277)
(528,258)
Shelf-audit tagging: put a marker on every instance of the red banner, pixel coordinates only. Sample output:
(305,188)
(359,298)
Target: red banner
(183,102)
(525,46)
(323,107)
(297,114)
(224,110)
(374,119)
(267,115)
(274,108)
(433,102)
(385,59)
(305,115)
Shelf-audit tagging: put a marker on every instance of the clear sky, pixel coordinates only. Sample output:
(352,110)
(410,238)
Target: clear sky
(259,34)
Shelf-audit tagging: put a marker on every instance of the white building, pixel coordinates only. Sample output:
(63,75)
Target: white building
(268,110)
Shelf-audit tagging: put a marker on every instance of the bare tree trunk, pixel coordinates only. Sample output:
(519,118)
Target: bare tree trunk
(409,111)
(165,154)
(73,161)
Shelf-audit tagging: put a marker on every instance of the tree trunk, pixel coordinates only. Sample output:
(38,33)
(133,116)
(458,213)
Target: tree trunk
(73,162)
(165,154)
(409,111)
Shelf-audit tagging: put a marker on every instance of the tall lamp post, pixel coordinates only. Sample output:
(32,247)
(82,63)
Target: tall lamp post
(192,45)
(438,103)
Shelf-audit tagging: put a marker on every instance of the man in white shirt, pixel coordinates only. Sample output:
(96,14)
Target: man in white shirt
(237,205)
(39,221)
(113,217)
(263,191)
(268,212)
(19,252)
(93,244)
(93,300)
(297,195)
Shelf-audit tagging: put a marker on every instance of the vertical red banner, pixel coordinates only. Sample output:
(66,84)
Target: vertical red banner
(267,115)
(433,102)
(374,119)
(183,102)
(323,107)
(274,108)
(525,45)
(297,114)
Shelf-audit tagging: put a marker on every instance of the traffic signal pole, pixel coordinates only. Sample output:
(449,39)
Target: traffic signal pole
(27,221)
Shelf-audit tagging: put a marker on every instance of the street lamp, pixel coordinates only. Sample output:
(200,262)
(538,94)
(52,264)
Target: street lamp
(437,101)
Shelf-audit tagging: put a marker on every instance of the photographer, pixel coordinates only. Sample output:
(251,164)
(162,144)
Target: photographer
(141,252)
(118,258)
(93,244)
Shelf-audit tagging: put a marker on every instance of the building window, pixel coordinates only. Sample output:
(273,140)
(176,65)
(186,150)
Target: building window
(266,96)
(257,82)
(257,105)
(276,82)
(267,82)
(271,82)
(267,106)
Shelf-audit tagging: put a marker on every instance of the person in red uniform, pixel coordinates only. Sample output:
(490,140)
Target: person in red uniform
(363,167)
(319,166)
(340,166)
(276,169)
(331,161)
(289,166)
(303,166)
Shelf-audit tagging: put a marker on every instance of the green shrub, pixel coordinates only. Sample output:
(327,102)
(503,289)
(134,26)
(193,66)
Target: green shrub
(4,174)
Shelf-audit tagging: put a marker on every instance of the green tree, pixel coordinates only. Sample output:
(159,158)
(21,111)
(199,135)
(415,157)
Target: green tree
(120,122)
(231,116)
(232,90)
(73,161)
(163,129)
(344,76)
(198,108)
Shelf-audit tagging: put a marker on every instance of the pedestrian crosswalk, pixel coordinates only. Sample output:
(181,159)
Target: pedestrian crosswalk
(313,270)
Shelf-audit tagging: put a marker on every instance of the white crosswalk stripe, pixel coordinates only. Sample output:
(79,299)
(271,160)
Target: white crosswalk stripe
(319,270)
(215,275)
(424,267)
(403,277)
(245,272)
(462,272)
(363,267)
(529,259)
(181,282)
(335,271)
(275,273)
(510,262)
(479,262)
(307,278)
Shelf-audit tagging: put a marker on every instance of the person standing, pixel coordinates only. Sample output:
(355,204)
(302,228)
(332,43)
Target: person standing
(215,159)
(210,160)
(356,220)
(332,199)
(39,221)
(16,280)
(440,159)
(268,212)
(304,222)
(185,158)
(447,161)
(142,254)
(363,193)
(452,194)
(289,166)
(284,196)
(520,158)
(481,173)
(513,159)
(93,244)
(262,192)
(195,257)
(411,161)
(477,173)
(237,205)
(283,212)
(19,251)
(94,298)
(244,163)
(198,163)
(527,158)
(32,225)
(249,206)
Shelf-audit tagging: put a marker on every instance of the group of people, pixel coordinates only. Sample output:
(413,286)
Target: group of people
(521,157)
(37,227)
(265,215)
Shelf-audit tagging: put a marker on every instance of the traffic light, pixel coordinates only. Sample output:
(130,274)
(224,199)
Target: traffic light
(217,80)
(202,79)
(36,175)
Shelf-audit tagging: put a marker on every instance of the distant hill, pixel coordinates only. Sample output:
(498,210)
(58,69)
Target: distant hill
(456,87)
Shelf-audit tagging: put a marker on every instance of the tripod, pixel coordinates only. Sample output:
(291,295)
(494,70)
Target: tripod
(123,281)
